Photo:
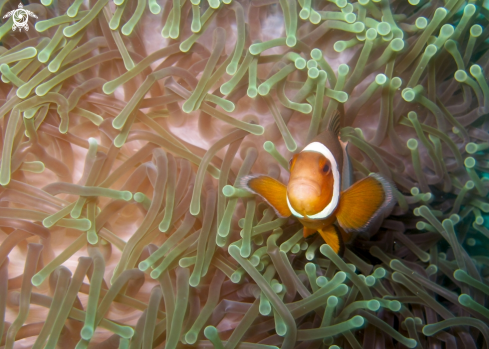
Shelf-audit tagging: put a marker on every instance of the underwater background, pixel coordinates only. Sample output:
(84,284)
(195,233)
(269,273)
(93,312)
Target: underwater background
(127,126)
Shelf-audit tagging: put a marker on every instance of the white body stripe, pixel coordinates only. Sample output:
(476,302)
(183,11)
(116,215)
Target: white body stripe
(294,212)
(328,210)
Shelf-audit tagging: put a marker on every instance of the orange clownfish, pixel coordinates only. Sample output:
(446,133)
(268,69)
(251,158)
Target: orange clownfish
(313,194)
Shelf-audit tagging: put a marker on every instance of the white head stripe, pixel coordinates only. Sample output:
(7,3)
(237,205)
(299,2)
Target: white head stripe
(322,149)
(294,212)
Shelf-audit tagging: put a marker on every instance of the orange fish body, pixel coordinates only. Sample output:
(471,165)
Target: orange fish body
(313,194)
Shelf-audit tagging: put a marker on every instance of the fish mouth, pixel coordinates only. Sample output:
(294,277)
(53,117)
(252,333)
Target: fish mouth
(303,185)
(303,194)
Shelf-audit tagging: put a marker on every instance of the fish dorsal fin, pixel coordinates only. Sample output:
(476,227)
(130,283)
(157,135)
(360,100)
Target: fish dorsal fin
(334,123)
(274,192)
(363,201)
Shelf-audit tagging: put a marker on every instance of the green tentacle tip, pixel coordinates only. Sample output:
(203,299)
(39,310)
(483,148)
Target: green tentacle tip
(340,96)
(314,17)
(471,148)
(430,50)
(421,22)
(313,73)
(277,288)
(154,7)
(126,333)
(126,195)
(414,2)
(143,266)
(408,94)
(358,27)
(475,70)
(191,337)
(4,68)
(339,46)
(395,306)
(214,4)
(412,144)
(465,300)
(469,162)
(461,76)
(321,281)
(381,79)
(440,13)
(372,34)
(370,281)
(332,301)
(410,343)
(252,92)
(469,10)
(291,41)
(350,18)
(447,30)
(476,30)
(312,64)
(37,279)
(268,146)
(396,82)
(304,14)
(43,56)
(230,191)
(341,3)
(373,305)
(87,332)
(455,218)
(300,63)
(310,268)
(379,273)
(92,237)
(194,280)
(343,69)
(383,28)
(46,2)
(316,54)
(263,89)
(231,68)
(357,320)
(397,44)
(255,49)
(29,52)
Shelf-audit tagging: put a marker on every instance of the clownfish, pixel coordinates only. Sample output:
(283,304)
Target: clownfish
(314,192)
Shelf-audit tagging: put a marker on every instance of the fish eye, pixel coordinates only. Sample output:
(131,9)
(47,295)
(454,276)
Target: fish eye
(326,168)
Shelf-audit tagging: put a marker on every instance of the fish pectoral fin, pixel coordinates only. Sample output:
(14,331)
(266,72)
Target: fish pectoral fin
(332,236)
(271,190)
(360,203)
(308,231)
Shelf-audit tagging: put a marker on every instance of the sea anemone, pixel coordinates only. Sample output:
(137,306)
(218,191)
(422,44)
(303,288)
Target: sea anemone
(127,127)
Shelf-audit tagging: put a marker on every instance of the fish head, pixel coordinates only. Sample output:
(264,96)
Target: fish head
(311,183)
